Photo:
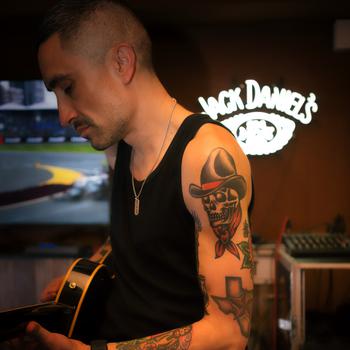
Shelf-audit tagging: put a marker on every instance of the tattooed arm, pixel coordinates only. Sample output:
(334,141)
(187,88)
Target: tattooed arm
(217,190)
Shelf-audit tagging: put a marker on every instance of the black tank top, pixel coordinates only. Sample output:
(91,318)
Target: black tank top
(157,286)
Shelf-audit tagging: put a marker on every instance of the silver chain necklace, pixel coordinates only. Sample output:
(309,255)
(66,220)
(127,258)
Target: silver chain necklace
(137,195)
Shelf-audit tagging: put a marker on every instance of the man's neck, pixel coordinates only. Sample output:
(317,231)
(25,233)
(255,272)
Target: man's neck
(153,132)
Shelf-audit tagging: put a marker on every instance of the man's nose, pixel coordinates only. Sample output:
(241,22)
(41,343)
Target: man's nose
(67,113)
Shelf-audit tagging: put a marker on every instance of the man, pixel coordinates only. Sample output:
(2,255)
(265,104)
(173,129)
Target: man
(182,187)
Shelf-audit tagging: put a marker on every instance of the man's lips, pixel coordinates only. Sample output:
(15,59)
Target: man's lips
(81,129)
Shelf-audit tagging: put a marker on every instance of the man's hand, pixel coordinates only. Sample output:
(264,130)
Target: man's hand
(51,290)
(38,338)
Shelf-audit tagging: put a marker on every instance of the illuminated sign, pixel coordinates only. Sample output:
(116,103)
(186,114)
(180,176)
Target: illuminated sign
(258,130)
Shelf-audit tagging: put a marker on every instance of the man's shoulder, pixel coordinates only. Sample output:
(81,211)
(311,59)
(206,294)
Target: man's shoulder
(213,130)
(209,137)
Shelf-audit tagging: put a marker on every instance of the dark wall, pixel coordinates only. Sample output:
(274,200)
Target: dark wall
(18,53)
(308,180)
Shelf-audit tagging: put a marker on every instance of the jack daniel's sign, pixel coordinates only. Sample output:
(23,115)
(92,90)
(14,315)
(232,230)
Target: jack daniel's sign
(261,117)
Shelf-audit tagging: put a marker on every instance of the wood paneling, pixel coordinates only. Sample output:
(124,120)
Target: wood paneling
(23,279)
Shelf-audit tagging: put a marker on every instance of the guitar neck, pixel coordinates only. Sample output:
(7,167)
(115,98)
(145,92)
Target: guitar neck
(50,315)
(102,253)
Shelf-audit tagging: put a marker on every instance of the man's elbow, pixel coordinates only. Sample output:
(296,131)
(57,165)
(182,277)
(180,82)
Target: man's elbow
(235,341)
(228,336)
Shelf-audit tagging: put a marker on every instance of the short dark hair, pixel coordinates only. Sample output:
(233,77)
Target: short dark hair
(66,18)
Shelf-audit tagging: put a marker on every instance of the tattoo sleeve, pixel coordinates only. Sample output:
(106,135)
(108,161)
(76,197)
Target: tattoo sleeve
(221,191)
(238,302)
(178,339)
(247,250)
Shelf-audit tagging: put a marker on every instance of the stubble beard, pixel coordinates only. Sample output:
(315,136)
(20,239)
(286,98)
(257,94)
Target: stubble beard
(109,137)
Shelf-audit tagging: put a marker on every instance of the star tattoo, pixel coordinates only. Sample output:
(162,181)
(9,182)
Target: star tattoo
(238,302)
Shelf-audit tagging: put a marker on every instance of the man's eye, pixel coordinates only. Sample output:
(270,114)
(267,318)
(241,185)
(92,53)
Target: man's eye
(68,90)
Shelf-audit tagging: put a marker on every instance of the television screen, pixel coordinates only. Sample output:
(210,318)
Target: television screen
(49,175)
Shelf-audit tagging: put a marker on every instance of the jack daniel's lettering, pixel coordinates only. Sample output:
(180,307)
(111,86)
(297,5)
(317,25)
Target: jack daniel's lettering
(289,102)
(258,131)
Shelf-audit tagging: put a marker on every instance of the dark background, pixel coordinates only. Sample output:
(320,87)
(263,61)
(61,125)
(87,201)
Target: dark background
(203,47)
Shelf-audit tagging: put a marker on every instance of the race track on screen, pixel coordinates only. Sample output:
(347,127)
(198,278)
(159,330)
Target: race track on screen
(77,181)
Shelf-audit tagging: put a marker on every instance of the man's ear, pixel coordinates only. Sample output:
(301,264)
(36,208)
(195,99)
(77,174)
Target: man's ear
(124,62)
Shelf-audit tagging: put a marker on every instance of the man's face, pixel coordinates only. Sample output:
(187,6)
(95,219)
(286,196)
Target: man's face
(89,96)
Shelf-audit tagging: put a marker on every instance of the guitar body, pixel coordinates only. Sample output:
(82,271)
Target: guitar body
(77,310)
(84,289)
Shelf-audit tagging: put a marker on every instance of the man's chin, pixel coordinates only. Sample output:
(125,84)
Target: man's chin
(100,146)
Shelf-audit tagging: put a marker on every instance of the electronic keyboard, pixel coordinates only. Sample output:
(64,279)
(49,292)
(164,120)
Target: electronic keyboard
(325,245)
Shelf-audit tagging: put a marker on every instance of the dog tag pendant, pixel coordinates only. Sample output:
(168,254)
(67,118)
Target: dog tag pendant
(137,206)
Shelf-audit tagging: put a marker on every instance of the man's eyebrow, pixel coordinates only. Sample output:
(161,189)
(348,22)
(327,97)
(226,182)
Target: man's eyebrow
(53,82)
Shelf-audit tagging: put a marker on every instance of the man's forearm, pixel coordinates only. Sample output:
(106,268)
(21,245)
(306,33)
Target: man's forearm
(202,335)
(179,339)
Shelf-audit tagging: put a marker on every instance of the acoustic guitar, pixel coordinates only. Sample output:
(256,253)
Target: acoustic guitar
(77,309)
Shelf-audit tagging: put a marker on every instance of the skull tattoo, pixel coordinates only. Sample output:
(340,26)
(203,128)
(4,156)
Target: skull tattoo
(220,206)
(221,191)
(224,213)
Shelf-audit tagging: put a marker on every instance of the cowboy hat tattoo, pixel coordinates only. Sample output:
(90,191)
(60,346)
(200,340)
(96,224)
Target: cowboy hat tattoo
(221,191)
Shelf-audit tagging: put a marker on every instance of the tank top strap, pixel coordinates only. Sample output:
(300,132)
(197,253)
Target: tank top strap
(123,155)
(188,130)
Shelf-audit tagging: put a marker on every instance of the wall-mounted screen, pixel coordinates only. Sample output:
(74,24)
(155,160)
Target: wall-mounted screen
(49,175)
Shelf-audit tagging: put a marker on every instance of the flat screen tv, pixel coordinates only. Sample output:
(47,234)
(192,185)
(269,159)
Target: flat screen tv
(49,175)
